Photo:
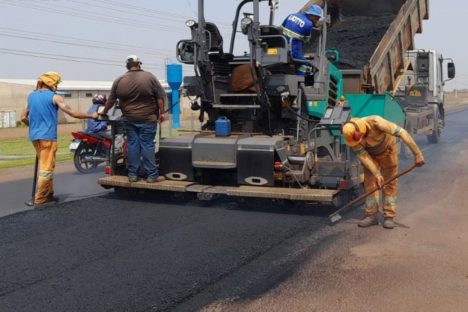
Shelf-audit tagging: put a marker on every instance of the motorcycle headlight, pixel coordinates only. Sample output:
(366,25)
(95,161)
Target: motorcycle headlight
(245,24)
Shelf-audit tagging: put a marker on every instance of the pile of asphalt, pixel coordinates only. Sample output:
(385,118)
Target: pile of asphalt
(367,7)
(357,28)
(357,37)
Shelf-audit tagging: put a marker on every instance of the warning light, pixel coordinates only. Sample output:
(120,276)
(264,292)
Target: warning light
(344,185)
(279,177)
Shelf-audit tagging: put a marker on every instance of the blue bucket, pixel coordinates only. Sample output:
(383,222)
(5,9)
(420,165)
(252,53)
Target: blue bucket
(223,127)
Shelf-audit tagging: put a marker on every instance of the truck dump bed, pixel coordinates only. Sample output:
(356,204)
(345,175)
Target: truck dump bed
(372,37)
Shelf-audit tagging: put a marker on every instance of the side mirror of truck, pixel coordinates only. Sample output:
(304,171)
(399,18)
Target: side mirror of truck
(451,70)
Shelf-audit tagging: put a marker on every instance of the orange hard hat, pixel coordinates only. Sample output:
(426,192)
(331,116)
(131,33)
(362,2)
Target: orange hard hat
(353,131)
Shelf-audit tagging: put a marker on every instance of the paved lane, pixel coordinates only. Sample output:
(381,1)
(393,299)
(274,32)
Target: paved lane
(16,184)
(109,254)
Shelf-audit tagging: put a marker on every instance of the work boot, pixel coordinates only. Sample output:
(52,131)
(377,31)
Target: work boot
(132,179)
(389,223)
(52,198)
(50,201)
(157,179)
(368,221)
(47,203)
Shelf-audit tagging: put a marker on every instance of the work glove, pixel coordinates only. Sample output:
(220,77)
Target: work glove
(319,23)
(419,161)
(380,180)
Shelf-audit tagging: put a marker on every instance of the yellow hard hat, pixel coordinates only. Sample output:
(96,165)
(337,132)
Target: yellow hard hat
(353,131)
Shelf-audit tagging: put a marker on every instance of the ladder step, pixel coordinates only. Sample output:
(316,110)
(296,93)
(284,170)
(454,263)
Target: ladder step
(238,95)
(234,106)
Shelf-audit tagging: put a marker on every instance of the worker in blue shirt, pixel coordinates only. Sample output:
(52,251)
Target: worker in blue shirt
(93,125)
(297,28)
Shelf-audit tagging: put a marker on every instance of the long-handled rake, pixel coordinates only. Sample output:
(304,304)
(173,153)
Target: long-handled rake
(30,202)
(336,216)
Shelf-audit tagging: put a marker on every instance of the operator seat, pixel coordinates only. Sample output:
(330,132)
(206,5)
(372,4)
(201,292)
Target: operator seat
(274,50)
(215,41)
(216,55)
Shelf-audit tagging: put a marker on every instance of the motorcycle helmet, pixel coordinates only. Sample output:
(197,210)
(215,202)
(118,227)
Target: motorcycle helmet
(100,99)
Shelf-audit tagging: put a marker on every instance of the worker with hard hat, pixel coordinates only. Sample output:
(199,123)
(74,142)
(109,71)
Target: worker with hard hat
(297,28)
(373,139)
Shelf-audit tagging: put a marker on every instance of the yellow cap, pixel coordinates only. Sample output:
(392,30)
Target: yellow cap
(353,131)
(51,79)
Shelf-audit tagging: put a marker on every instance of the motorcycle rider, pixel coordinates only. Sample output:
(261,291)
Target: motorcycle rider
(97,126)
(100,127)
(95,152)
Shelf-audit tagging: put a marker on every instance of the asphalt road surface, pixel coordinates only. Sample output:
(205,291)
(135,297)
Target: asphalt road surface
(69,185)
(111,254)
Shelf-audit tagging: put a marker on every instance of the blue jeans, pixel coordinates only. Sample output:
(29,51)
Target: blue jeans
(140,138)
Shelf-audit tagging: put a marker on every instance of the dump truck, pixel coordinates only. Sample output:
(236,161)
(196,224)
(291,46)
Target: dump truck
(285,142)
(422,92)
(375,40)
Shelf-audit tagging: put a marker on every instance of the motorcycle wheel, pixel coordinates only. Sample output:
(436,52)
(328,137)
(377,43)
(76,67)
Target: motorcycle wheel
(81,164)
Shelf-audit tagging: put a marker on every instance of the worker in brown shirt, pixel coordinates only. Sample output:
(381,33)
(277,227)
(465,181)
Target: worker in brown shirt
(141,99)
(373,139)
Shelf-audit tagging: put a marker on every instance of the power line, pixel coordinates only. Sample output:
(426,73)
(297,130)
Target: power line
(103,47)
(112,45)
(143,9)
(167,17)
(72,12)
(145,12)
(157,12)
(74,59)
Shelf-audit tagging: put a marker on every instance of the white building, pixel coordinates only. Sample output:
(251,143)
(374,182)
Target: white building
(77,94)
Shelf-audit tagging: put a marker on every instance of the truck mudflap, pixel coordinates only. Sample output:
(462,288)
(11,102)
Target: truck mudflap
(321,196)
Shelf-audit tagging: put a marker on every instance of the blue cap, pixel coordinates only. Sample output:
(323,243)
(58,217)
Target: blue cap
(315,10)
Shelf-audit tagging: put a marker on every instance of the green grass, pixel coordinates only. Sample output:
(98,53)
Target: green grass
(22,146)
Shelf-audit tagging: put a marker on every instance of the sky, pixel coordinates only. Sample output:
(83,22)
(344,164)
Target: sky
(90,39)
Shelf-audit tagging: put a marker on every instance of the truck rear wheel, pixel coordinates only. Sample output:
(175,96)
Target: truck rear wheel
(434,138)
(403,154)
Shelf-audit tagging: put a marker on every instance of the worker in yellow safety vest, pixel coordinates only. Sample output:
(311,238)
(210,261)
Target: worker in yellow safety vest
(373,139)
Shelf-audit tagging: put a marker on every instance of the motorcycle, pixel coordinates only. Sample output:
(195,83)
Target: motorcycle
(90,150)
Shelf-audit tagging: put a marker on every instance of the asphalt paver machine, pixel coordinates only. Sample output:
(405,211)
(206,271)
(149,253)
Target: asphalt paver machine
(285,141)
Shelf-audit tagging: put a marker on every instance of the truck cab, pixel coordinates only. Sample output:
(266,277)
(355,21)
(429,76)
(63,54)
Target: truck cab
(421,91)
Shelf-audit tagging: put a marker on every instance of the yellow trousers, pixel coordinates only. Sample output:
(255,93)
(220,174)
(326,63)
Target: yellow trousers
(46,153)
(387,162)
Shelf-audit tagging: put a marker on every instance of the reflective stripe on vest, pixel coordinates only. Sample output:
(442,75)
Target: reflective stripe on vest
(291,34)
(379,148)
